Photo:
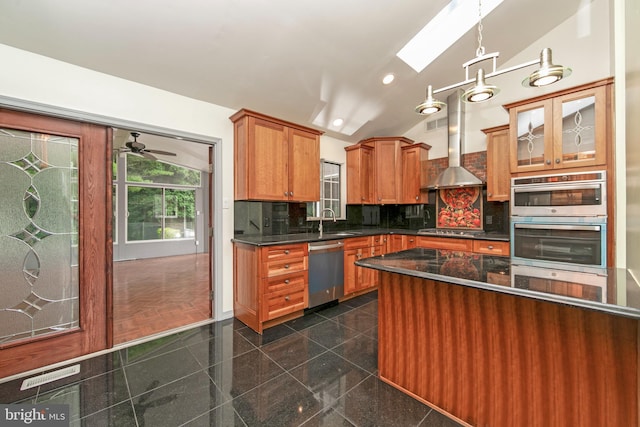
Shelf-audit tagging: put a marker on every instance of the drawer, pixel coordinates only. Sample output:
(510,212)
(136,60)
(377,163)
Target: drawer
(379,240)
(357,242)
(282,283)
(273,253)
(491,247)
(285,265)
(444,243)
(284,301)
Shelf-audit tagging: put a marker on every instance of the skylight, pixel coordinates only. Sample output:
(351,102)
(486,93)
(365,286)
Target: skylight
(451,23)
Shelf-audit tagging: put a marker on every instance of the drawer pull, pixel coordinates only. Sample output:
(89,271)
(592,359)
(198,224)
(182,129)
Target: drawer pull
(286,251)
(286,281)
(490,247)
(287,298)
(286,266)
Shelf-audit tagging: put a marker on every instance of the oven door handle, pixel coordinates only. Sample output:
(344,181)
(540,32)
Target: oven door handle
(548,188)
(558,227)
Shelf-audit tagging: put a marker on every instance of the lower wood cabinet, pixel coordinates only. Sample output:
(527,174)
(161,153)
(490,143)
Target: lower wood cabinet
(270,283)
(491,247)
(453,244)
(357,279)
(400,242)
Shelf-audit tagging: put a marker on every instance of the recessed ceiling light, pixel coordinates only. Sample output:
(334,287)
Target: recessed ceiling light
(451,23)
(338,122)
(388,79)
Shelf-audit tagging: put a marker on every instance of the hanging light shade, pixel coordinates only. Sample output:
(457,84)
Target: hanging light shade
(547,73)
(430,105)
(481,91)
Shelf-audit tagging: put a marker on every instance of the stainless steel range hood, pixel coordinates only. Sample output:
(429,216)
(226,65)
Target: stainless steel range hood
(455,175)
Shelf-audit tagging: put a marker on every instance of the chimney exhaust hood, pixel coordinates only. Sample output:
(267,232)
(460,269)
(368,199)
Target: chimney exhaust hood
(455,175)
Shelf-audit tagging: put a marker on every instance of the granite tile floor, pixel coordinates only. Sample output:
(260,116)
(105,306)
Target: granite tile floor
(318,370)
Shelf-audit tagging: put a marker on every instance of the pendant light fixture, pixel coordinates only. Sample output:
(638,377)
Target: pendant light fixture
(548,73)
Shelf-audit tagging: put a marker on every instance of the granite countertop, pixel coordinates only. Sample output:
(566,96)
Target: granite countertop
(283,239)
(612,290)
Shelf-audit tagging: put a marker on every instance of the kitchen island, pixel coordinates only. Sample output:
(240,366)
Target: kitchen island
(490,343)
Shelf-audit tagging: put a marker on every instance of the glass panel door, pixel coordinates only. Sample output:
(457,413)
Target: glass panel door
(38,234)
(55,238)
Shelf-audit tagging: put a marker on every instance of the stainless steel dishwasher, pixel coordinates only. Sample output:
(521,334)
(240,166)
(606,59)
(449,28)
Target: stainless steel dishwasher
(326,272)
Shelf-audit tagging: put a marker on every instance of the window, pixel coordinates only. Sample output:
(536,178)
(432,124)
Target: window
(157,208)
(330,183)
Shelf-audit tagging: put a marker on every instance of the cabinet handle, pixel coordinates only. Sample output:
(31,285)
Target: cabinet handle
(411,241)
(416,197)
(490,247)
(557,161)
(362,198)
(291,193)
(548,162)
(286,251)
(286,281)
(287,298)
(285,194)
(490,194)
(286,266)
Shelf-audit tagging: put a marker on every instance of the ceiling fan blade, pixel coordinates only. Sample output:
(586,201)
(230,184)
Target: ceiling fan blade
(164,153)
(146,154)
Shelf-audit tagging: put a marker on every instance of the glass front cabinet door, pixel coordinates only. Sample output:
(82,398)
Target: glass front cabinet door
(565,131)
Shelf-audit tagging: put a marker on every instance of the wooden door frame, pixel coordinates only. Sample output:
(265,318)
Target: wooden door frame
(95,248)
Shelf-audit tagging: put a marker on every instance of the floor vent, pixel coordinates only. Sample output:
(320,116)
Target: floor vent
(50,377)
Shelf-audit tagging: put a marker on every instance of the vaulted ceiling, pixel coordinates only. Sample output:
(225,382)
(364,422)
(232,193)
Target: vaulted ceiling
(304,61)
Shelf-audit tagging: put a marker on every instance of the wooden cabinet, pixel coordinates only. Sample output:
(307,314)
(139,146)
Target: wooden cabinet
(444,243)
(491,247)
(275,160)
(566,129)
(359,174)
(269,282)
(357,279)
(376,171)
(400,242)
(415,173)
(498,166)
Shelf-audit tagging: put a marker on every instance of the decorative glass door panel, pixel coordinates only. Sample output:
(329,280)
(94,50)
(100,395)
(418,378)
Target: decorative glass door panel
(533,137)
(578,129)
(38,234)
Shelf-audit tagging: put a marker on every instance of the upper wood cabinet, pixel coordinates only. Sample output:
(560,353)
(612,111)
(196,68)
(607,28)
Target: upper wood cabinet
(415,173)
(498,176)
(275,160)
(386,170)
(566,129)
(359,174)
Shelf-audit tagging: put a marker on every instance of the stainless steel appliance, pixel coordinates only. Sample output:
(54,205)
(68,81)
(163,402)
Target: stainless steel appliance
(560,221)
(571,194)
(567,242)
(326,272)
(589,286)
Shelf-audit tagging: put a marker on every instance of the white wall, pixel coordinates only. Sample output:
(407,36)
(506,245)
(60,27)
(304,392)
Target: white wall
(38,79)
(583,43)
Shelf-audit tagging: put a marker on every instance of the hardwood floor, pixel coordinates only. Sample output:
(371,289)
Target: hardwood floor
(158,294)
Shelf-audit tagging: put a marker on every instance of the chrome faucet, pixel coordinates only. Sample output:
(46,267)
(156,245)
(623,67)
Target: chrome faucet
(333,214)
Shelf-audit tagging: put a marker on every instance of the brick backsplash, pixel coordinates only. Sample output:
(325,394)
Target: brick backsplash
(476,163)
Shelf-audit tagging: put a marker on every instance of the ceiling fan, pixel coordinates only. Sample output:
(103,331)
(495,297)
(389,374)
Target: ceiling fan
(137,147)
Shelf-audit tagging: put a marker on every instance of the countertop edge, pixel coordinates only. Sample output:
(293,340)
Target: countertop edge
(314,237)
(558,299)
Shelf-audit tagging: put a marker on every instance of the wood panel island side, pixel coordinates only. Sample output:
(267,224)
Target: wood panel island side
(518,352)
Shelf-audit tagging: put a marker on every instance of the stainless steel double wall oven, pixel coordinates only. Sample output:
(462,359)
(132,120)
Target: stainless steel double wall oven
(560,221)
